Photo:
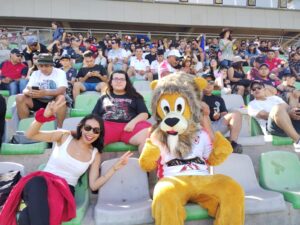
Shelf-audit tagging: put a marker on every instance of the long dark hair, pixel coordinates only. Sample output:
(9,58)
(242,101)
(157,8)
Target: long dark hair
(99,142)
(238,66)
(129,89)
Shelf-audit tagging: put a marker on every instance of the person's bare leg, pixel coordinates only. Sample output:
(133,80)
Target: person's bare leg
(77,88)
(130,72)
(282,119)
(149,76)
(139,139)
(61,112)
(234,121)
(124,67)
(101,87)
(205,123)
(23,103)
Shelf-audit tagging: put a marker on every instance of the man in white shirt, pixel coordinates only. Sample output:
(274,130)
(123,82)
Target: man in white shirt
(273,114)
(44,85)
(155,64)
(139,67)
(169,65)
(117,57)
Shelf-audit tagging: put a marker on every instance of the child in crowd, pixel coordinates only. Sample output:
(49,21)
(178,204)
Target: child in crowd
(222,81)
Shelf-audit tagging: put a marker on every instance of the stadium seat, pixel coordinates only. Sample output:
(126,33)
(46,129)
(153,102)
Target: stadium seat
(124,198)
(279,171)
(11,166)
(216,92)
(71,123)
(147,98)
(142,86)
(84,105)
(247,68)
(236,102)
(34,148)
(10,102)
(195,212)
(77,66)
(297,85)
(81,198)
(276,140)
(257,200)
(4,93)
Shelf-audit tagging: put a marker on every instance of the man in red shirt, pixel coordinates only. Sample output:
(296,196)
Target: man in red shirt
(11,71)
(273,62)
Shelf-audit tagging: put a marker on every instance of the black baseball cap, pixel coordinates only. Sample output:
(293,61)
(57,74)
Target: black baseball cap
(16,51)
(207,75)
(263,64)
(45,59)
(260,59)
(258,82)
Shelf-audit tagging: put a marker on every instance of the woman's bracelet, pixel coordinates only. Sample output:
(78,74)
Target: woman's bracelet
(39,116)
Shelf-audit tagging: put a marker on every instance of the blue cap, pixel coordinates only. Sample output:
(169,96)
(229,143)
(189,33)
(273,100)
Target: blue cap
(31,40)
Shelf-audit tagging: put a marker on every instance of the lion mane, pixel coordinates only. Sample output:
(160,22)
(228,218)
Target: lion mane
(185,85)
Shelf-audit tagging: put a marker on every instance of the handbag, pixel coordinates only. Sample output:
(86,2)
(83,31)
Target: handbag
(7,182)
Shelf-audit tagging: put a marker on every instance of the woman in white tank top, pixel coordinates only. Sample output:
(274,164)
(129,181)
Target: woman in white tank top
(73,154)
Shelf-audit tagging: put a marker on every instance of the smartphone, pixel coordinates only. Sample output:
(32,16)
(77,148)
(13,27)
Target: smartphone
(35,88)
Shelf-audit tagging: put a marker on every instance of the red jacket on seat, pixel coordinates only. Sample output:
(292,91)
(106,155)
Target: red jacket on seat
(60,199)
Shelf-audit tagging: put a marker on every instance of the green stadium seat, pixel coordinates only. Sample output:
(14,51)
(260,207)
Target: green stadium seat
(276,140)
(81,198)
(279,171)
(195,212)
(26,149)
(77,66)
(84,105)
(148,98)
(10,102)
(247,68)
(119,147)
(216,92)
(4,93)
(297,85)
(283,57)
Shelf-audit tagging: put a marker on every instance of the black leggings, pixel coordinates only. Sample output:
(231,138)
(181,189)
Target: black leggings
(35,195)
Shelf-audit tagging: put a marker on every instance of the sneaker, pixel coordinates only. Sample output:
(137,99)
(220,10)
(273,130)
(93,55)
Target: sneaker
(297,146)
(237,148)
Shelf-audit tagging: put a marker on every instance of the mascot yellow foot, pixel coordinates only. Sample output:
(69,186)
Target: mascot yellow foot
(182,152)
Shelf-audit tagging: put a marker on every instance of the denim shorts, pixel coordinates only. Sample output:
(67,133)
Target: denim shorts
(90,86)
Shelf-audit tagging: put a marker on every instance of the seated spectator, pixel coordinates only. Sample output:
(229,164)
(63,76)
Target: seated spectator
(287,90)
(222,81)
(221,120)
(155,64)
(92,77)
(253,73)
(187,66)
(237,76)
(71,157)
(71,74)
(295,64)
(116,57)
(152,55)
(45,85)
(11,73)
(139,68)
(251,53)
(263,47)
(273,62)
(213,64)
(124,112)
(169,65)
(101,59)
(273,114)
(33,46)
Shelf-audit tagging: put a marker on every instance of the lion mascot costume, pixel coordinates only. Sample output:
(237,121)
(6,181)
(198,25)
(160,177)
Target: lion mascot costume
(181,151)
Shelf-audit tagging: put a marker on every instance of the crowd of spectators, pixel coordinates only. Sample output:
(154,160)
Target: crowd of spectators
(79,63)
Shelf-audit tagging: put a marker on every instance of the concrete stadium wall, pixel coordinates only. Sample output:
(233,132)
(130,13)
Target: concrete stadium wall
(152,13)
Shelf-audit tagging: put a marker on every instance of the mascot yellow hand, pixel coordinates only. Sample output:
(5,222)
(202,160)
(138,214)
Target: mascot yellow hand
(221,150)
(149,157)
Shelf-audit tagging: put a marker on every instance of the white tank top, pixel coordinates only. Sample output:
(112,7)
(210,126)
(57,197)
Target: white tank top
(64,165)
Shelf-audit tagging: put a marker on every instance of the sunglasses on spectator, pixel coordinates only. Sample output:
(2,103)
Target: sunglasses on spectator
(34,44)
(96,130)
(113,42)
(211,82)
(119,79)
(256,88)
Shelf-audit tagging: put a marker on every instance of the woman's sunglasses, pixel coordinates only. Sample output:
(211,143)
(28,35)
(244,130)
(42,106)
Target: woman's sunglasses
(96,130)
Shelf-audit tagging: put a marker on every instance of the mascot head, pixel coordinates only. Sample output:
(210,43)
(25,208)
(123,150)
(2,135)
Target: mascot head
(176,108)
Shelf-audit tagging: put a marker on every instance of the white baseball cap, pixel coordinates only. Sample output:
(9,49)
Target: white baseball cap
(174,52)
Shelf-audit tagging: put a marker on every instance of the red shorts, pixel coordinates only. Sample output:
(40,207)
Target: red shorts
(114,131)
